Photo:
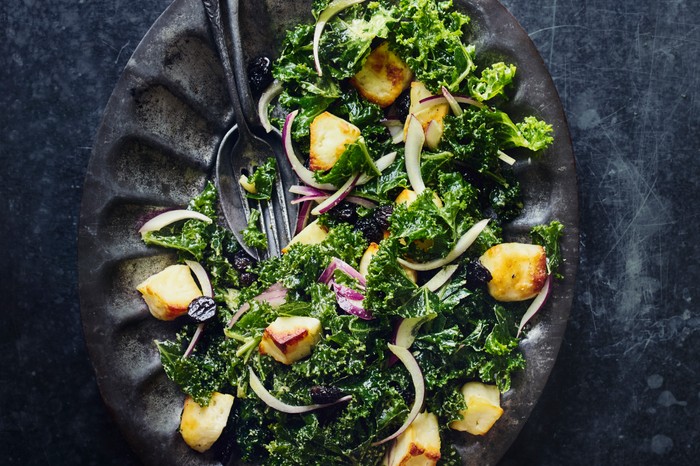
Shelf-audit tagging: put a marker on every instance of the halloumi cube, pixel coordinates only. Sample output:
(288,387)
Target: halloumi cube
(383,76)
(483,408)
(169,292)
(329,136)
(201,426)
(519,270)
(289,339)
(418,445)
(434,113)
(313,233)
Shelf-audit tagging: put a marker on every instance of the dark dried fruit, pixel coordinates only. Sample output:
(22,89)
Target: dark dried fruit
(477,275)
(381,215)
(260,74)
(344,212)
(241,261)
(247,278)
(370,229)
(323,394)
(201,309)
(402,104)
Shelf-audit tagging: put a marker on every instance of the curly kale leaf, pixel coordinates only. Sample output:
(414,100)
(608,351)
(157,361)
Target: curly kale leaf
(531,133)
(493,81)
(355,159)
(253,236)
(204,371)
(429,39)
(263,179)
(548,236)
(388,287)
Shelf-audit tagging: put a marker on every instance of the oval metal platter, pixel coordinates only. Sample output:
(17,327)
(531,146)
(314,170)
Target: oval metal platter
(156,148)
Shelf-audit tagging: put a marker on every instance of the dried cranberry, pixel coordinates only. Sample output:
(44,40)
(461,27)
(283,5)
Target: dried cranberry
(344,212)
(381,215)
(241,261)
(477,275)
(259,74)
(402,104)
(201,309)
(370,229)
(247,278)
(324,394)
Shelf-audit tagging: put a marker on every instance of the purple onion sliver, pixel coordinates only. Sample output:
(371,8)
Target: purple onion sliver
(193,342)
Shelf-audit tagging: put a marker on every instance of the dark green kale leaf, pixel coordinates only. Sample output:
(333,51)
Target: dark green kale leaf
(493,81)
(355,159)
(190,236)
(388,287)
(386,187)
(473,141)
(548,236)
(531,133)
(428,37)
(204,371)
(263,178)
(348,36)
(253,236)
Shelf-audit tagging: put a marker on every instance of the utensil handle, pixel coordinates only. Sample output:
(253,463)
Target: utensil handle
(213,10)
(240,69)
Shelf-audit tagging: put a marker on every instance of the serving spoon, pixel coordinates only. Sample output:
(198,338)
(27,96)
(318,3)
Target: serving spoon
(241,151)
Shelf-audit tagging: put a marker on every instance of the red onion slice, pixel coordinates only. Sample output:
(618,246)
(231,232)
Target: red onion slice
(413,368)
(433,134)
(454,105)
(351,301)
(536,304)
(433,100)
(314,198)
(441,277)
(302,217)
(395,127)
(335,199)
(462,245)
(306,175)
(382,163)
(275,295)
(506,158)
(414,146)
(336,263)
(331,10)
(172,216)
(272,91)
(202,277)
(361,201)
(307,191)
(274,403)
(193,342)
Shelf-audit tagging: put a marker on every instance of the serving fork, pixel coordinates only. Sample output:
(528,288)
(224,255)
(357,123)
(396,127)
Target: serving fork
(241,150)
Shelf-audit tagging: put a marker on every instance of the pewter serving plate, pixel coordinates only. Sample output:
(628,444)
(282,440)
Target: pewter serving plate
(156,148)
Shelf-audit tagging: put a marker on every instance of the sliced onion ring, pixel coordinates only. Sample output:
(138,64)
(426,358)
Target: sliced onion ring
(275,295)
(193,342)
(331,10)
(337,197)
(415,137)
(202,277)
(536,305)
(454,105)
(433,134)
(506,158)
(462,245)
(303,217)
(306,175)
(413,368)
(336,263)
(272,91)
(395,127)
(172,216)
(274,403)
(382,163)
(433,100)
(441,277)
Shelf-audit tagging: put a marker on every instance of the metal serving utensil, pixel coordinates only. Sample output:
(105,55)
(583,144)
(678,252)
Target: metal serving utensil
(241,150)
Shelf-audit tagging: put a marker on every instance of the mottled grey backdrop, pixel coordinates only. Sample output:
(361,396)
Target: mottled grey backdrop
(626,388)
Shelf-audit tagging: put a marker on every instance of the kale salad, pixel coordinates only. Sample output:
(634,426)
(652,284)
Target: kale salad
(393,317)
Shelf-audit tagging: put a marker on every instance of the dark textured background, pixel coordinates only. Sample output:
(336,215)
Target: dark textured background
(626,387)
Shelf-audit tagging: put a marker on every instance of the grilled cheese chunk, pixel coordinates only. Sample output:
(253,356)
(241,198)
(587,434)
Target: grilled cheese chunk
(201,426)
(169,292)
(329,135)
(289,339)
(383,76)
(519,270)
(418,445)
(483,408)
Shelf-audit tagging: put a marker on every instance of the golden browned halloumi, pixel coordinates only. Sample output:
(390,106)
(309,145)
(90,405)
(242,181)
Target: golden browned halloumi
(329,137)
(519,270)
(383,76)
